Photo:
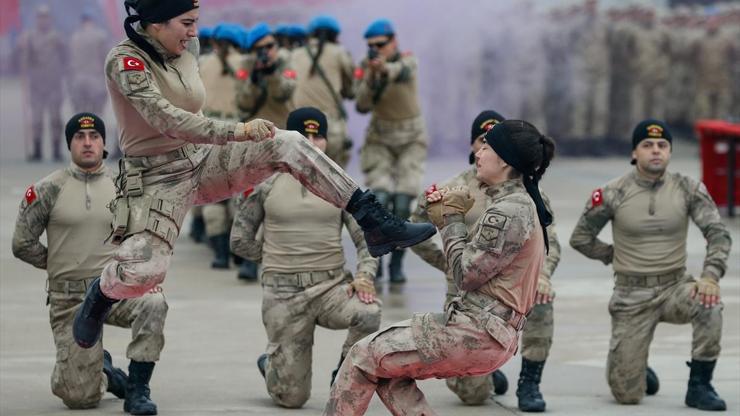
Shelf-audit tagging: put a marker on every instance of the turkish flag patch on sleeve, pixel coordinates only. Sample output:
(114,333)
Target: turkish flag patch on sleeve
(359,73)
(430,190)
(289,73)
(132,64)
(30,195)
(597,198)
(242,74)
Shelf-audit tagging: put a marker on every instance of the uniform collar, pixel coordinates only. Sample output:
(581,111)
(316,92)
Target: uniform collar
(157,46)
(505,188)
(645,182)
(80,174)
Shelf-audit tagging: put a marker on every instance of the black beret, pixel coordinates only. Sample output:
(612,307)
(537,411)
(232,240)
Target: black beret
(307,120)
(650,129)
(484,122)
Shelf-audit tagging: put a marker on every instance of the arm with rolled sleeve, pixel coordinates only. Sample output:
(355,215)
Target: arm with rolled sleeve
(704,213)
(585,236)
(367,265)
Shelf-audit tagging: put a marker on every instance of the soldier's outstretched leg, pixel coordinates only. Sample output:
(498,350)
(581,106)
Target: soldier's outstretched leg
(138,395)
(89,319)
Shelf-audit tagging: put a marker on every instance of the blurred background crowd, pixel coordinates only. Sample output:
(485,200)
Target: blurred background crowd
(584,71)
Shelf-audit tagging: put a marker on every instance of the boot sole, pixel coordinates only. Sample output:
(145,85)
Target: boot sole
(382,249)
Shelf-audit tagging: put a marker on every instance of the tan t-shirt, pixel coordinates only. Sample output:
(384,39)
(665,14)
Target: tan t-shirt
(220,88)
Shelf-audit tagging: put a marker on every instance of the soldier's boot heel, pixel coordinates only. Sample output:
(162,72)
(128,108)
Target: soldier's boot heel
(117,379)
(500,382)
(138,395)
(652,382)
(89,318)
(220,245)
(384,231)
(528,388)
(701,393)
(262,364)
(395,267)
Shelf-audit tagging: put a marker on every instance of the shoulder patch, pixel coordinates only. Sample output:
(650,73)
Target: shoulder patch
(359,73)
(431,189)
(30,195)
(129,63)
(492,232)
(597,198)
(289,73)
(242,74)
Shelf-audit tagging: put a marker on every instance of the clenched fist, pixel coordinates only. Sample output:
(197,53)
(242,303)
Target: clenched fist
(448,201)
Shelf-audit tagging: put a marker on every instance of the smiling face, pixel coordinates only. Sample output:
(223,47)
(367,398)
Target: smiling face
(87,149)
(175,34)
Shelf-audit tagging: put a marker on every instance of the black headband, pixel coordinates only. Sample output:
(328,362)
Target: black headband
(153,12)
(499,140)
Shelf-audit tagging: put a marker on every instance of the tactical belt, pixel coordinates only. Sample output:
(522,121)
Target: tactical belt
(303,279)
(148,162)
(633,280)
(69,286)
(497,308)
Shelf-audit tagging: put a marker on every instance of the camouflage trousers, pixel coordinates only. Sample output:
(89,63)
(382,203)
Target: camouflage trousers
(590,111)
(200,174)
(463,341)
(218,217)
(536,342)
(636,309)
(43,102)
(338,146)
(290,313)
(394,155)
(78,377)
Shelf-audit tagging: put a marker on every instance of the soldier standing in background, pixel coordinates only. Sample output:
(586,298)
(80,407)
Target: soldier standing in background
(714,89)
(304,281)
(622,46)
(324,71)
(558,39)
(681,79)
(266,81)
(649,209)
(87,50)
(71,206)
(538,333)
(395,149)
(220,74)
(43,63)
(652,65)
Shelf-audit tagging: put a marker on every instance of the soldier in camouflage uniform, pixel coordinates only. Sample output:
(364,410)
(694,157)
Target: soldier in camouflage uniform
(325,70)
(266,80)
(71,206)
(395,149)
(88,47)
(714,88)
(176,157)
(304,282)
(43,64)
(537,335)
(495,266)
(649,209)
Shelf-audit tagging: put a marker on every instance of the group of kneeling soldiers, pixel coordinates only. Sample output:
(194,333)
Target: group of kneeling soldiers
(303,273)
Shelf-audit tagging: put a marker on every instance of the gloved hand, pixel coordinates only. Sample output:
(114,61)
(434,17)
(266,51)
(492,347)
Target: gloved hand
(256,130)
(364,286)
(708,290)
(447,201)
(545,294)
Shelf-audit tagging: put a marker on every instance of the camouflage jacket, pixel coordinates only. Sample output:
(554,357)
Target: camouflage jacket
(650,224)
(392,95)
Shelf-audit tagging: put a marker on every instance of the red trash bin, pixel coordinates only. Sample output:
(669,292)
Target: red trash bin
(720,154)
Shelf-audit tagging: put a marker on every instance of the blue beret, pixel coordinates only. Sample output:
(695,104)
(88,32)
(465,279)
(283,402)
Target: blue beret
(324,22)
(380,27)
(297,31)
(205,32)
(282,29)
(259,31)
(228,31)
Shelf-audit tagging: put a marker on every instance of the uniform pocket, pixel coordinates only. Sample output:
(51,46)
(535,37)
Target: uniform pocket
(501,331)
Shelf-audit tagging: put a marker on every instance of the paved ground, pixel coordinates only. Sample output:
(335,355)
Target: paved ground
(214,332)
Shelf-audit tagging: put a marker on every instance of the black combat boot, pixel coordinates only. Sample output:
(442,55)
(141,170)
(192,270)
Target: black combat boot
(36,155)
(138,400)
(652,382)
(220,244)
(247,271)
(384,199)
(500,382)
(262,364)
(336,371)
(395,267)
(384,231)
(117,379)
(197,229)
(89,319)
(528,390)
(701,394)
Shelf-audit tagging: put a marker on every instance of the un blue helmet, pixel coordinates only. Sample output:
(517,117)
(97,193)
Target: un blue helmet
(259,31)
(324,21)
(380,27)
